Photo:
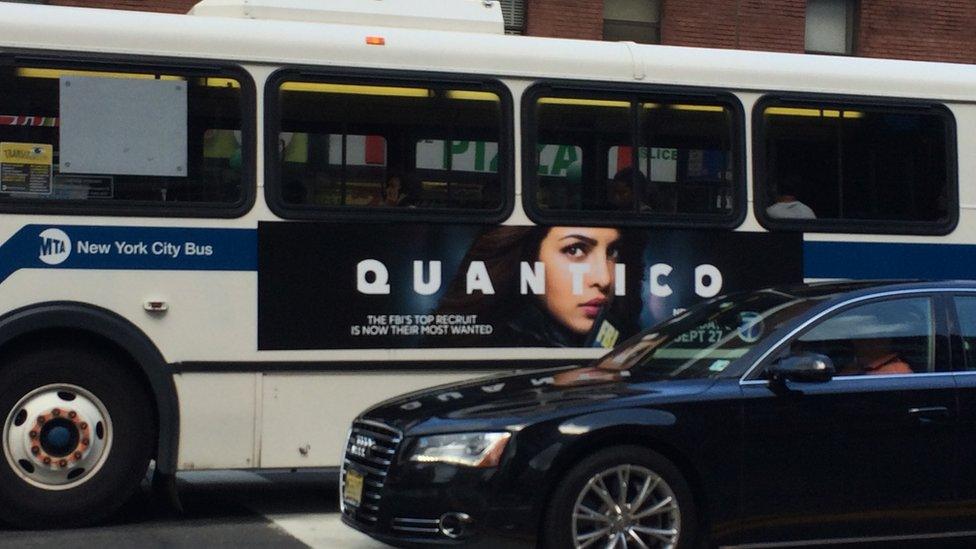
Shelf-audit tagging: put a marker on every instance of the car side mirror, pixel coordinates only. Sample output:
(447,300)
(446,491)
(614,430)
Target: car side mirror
(802,367)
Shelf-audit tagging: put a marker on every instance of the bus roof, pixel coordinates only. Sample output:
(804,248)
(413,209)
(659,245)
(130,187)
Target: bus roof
(458,15)
(277,42)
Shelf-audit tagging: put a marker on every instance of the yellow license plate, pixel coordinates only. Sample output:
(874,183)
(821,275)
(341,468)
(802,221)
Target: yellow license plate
(353,493)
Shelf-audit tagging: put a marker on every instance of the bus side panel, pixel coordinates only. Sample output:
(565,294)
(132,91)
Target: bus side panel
(218,427)
(966,118)
(192,327)
(306,417)
(210,316)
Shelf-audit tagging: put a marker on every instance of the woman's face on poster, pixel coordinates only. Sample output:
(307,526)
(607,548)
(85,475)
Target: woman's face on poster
(595,252)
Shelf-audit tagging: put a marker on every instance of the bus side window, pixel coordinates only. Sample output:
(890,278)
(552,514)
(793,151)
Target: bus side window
(158,140)
(837,166)
(362,144)
(633,155)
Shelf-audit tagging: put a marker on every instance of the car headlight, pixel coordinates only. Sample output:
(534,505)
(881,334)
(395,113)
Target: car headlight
(468,449)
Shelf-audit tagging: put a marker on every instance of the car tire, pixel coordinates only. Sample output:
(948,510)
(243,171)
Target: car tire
(657,500)
(79,430)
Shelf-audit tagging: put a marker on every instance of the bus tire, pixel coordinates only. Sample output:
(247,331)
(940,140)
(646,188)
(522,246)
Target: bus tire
(78,434)
(579,516)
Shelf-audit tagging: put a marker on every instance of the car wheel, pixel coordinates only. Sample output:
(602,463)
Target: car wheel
(78,433)
(618,498)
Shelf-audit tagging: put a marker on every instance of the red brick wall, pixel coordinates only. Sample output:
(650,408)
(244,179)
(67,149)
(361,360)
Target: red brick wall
(943,30)
(770,25)
(564,18)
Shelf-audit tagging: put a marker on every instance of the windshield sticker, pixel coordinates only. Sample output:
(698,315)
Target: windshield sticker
(719,365)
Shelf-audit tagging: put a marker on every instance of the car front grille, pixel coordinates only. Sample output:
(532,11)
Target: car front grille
(369,451)
(417,527)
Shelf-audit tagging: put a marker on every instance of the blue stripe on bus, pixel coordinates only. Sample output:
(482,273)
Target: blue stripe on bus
(132,248)
(866,260)
(209,249)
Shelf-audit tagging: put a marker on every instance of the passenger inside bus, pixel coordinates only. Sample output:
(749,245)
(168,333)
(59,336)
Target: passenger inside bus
(621,190)
(786,205)
(392,195)
(400,191)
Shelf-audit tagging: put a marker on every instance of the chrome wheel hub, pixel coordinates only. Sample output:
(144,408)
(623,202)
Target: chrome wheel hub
(626,506)
(57,436)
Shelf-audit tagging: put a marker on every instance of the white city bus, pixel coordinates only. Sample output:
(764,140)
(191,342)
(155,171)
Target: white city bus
(226,233)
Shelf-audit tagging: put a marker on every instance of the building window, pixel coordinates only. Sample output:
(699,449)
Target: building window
(632,20)
(830,26)
(514,13)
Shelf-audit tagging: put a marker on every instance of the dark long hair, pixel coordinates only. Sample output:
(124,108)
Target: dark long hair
(503,248)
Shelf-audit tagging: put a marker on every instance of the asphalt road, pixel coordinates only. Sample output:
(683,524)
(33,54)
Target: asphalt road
(242,509)
(224,509)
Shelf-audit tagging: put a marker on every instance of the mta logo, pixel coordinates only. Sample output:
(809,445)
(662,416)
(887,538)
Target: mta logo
(55,246)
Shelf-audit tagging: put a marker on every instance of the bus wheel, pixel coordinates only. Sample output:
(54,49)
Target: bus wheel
(624,496)
(78,433)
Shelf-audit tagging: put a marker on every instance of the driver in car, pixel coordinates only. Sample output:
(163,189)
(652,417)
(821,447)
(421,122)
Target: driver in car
(874,356)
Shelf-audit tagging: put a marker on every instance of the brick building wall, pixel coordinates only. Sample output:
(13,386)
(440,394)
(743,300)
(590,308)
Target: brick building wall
(918,29)
(565,18)
(929,30)
(740,24)
(934,30)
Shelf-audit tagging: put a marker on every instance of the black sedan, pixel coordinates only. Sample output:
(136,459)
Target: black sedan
(793,414)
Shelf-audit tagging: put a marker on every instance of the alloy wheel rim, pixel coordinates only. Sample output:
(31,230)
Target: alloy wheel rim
(627,506)
(57,437)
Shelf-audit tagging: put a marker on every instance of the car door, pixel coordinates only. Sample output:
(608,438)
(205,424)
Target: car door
(869,452)
(964,354)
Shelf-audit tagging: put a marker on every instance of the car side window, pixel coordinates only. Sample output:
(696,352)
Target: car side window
(966,311)
(879,338)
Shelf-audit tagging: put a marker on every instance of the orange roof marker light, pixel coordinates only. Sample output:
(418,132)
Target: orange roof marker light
(375,41)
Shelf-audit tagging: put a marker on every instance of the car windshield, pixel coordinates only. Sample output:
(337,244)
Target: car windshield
(705,340)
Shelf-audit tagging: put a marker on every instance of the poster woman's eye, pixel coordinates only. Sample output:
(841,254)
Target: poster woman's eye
(613,253)
(575,251)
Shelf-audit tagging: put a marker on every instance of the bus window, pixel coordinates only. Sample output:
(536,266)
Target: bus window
(362,158)
(458,172)
(560,169)
(686,156)
(847,167)
(364,145)
(633,156)
(161,141)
